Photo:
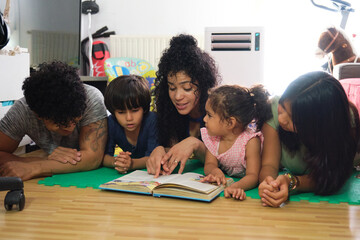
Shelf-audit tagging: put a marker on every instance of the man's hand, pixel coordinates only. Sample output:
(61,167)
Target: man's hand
(65,155)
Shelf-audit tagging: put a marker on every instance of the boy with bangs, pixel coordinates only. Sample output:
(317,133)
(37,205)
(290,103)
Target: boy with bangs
(131,125)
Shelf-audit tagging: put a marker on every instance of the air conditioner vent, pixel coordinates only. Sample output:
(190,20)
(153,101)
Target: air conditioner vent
(231,41)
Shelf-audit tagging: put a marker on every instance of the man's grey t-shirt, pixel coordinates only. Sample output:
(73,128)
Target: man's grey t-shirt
(20,121)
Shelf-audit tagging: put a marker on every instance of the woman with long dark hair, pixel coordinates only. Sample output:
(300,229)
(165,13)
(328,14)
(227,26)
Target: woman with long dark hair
(185,75)
(313,134)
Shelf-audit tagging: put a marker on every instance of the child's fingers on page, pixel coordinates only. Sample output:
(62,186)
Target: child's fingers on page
(226,193)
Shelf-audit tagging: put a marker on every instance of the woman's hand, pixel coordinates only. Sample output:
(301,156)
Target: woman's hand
(235,192)
(153,163)
(123,162)
(179,153)
(274,193)
(266,184)
(65,155)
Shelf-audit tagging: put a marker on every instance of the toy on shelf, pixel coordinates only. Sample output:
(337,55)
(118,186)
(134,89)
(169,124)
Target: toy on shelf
(337,46)
(15,196)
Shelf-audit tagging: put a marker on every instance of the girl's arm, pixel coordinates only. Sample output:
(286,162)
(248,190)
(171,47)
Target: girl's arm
(211,169)
(253,165)
(271,154)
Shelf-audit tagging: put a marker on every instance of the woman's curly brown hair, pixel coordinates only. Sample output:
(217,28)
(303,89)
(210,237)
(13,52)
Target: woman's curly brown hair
(183,55)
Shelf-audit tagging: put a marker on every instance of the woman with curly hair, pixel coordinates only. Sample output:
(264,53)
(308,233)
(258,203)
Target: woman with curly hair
(63,116)
(185,75)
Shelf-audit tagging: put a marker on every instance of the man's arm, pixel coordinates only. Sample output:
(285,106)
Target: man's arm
(92,144)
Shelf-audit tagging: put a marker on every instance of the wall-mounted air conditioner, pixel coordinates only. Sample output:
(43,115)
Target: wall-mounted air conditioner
(239,53)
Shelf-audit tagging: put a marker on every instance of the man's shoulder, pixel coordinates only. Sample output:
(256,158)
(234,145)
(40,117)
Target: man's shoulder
(92,91)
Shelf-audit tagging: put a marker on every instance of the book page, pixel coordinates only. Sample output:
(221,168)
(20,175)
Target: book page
(191,181)
(143,176)
(187,181)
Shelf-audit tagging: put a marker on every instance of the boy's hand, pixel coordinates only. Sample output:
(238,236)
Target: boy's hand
(123,162)
(65,155)
(216,176)
(234,192)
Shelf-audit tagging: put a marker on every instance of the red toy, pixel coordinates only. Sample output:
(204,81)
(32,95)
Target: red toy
(100,53)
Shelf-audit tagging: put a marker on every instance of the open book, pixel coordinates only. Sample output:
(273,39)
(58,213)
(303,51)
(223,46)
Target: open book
(185,185)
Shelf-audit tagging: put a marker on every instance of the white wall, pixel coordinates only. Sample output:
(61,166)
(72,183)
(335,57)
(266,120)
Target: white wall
(292,27)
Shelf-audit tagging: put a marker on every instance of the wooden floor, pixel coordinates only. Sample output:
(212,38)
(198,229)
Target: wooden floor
(73,213)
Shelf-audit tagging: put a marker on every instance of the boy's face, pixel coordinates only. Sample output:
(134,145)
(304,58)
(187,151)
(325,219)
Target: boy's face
(60,129)
(130,120)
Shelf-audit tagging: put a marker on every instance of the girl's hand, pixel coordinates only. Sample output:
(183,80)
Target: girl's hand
(179,153)
(123,162)
(234,192)
(153,163)
(276,198)
(65,155)
(216,176)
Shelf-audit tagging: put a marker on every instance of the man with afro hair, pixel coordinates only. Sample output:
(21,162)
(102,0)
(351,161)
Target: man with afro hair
(63,116)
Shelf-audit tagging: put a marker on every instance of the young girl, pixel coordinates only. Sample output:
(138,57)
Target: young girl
(131,125)
(233,118)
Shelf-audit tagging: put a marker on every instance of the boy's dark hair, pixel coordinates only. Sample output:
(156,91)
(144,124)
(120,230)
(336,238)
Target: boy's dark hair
(55,92)
(244,104)
(183,55)
(127,92)
(323,121)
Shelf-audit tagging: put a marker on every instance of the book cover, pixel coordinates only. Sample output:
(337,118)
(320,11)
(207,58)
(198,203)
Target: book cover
(187,185)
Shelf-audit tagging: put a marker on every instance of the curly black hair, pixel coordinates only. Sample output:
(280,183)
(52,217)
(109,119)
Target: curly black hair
(55,92)
(183,55)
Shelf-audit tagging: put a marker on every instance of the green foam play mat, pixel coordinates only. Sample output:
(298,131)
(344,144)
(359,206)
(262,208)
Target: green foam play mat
(350,193)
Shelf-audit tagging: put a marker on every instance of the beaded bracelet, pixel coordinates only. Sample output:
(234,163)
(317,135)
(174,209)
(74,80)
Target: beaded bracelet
(294,181)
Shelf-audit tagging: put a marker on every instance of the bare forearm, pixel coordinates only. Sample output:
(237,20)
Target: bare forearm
(248,182)
(209,167)
(268,170)
(305,184)
(5,157)
(200,150)
(108,161)
(139,163)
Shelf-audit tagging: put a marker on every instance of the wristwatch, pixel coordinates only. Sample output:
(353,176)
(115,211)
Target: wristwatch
(294,181)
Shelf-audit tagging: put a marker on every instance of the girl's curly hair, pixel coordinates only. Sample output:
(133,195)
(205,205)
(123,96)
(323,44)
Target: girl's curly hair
(183,55)
(55,92)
